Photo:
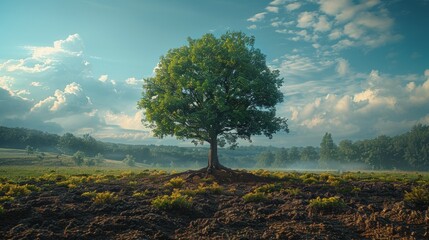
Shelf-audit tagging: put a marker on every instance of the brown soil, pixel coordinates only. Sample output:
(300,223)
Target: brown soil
(376,211)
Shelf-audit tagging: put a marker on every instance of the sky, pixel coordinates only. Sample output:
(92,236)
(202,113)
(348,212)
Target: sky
(356,69)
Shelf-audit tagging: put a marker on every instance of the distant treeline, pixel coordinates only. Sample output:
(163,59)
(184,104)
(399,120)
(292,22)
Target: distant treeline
(408,151)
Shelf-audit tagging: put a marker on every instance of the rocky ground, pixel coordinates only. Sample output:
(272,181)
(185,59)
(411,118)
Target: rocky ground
(57,208)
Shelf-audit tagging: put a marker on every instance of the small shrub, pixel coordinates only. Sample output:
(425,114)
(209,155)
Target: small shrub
(105,198)
(1,209)
(292,191)
(176,182)
(268,188)
(52,177)
(215,188)
(327,204)
(6,199)
(310,180)
(255,197)
(138,194)
(174,201)
(15,190)
(418,195)
(89,194)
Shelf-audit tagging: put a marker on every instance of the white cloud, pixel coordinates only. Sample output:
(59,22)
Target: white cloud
(272,9)
(342,67)
(293,6)
(125,121)
(278,2)
(306,19)
(382,104)
(53,89)
(134,81)
(36,84)
(103,78)
(333,7)
(297,65)
(257,17)
(253,26)
(322,25)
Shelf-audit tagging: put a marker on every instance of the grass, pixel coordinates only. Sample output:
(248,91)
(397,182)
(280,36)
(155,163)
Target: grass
(176,200)
(327,204)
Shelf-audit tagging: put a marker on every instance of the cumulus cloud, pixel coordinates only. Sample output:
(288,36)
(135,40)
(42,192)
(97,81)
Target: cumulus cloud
(53,89)
(272,9)
(306,19)
(257,17)
(384,104)
(293,6)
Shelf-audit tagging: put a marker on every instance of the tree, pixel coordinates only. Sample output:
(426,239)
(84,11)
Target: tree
(294,154)
(78,158)
(213,90)
(328,149)
(347,151)
(130,160)
(281,158)
(309,153)
(264,159)
(29,149)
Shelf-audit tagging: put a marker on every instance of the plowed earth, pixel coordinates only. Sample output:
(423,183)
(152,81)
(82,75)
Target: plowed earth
(376,211)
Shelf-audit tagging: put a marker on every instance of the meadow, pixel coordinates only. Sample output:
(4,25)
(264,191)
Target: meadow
(50,198)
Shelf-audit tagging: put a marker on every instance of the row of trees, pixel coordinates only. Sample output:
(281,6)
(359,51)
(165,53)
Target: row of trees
(408,151)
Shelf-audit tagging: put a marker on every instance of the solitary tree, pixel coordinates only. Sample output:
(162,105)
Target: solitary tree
(213,90)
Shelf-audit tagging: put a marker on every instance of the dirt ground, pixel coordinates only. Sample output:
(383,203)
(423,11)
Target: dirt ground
(372,210)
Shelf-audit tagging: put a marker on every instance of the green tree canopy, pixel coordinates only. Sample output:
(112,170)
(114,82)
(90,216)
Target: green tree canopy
(213,90)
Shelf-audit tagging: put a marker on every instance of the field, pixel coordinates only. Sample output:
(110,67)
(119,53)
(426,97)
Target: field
(49,201)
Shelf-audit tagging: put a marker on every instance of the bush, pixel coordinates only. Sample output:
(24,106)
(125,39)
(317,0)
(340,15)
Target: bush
(105,197)
(1,209)
(130,160)
(174,201)
(418,196)
(176,182)
(255,197)
(15,190)
(292,191)
(6,199)
(327,204)
(268,188)
(89,194)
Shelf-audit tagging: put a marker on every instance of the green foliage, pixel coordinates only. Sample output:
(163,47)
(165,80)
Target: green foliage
(328,150)
(16,190)
(176,182)
(265,159)
(129,160)
(29,149)
(327,204)
(174,201)
(78,158)
(418,195)
(213,90)
(138,194)
(105,198)
(6,199)
(309,153)
(91,194)
(268,188)
(1,209)
(292,191)
(255,197)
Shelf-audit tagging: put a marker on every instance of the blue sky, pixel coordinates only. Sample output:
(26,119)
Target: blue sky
(357,69)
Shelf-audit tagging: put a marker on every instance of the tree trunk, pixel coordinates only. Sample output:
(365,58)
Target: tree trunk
(213,160)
